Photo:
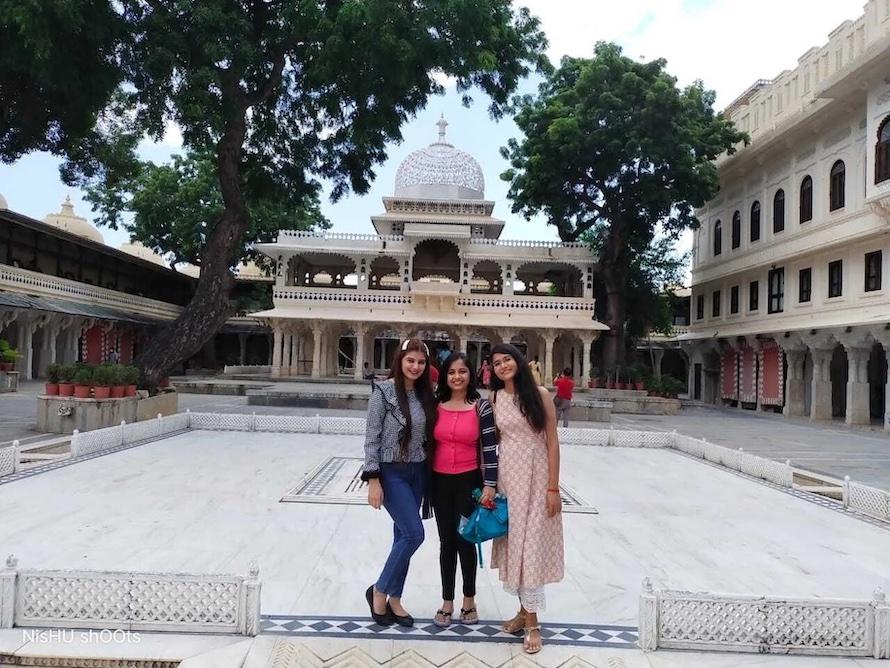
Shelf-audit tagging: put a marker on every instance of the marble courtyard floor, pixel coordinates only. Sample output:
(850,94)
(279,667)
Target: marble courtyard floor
(209,502)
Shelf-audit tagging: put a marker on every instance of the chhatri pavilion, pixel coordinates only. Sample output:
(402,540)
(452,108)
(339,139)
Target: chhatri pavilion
(435,267)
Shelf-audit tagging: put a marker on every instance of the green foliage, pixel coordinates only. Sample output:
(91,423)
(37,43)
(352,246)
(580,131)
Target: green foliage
(52,373)
(84,376)
(129,375)
(103,375)
(57,71)
(67,373)
(177,205)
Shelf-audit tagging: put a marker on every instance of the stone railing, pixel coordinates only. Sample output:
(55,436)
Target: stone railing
(184,603)
(527,303)
(98,440)
(521,243)
(9,459)
(866,500)
(289,235)
(34,283)
(762,624)
(738,460)
(341,296)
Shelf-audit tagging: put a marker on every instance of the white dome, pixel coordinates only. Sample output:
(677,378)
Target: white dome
(69,221)
(440,171)
(139,250)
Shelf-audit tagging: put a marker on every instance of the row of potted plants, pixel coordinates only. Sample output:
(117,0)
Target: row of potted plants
(666,386)
(102,381)
(619,378)
(8,356)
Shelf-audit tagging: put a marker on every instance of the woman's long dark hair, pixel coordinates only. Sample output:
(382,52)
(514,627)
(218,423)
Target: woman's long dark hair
(443,392)
(424,389)
(526,390)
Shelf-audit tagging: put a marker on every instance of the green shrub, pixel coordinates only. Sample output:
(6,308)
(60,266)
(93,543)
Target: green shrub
(84,376)
(102,375)
(52,373)
(66,373)
(130,375)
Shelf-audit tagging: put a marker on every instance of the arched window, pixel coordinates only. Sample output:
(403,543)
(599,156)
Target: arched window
(779,211)
(736,229)
(718,238)
(837,186)
(806,199)
(882,152)
(755,221)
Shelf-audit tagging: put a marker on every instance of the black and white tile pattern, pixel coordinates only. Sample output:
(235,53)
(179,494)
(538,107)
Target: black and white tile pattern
(363,628)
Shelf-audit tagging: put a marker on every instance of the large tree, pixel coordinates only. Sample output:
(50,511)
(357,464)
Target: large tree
(614,146)
(282,92)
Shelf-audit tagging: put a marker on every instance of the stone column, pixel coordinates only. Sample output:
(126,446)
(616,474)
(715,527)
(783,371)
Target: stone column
(549,339)
(586,365)
(858,409)
(48,345)
(295,354)
(277,336)
(25,345)
(795,386)
(658,356)
(242,349)
(316,351)
(820,406)
(464,342)
(360,331)
(286,341)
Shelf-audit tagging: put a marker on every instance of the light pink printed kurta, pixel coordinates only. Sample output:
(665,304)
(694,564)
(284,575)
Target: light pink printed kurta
(531,554)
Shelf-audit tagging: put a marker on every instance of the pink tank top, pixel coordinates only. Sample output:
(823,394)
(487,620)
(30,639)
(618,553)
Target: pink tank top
(457,441)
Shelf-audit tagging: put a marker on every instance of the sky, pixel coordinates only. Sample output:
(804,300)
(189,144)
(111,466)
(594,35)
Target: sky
(726,43)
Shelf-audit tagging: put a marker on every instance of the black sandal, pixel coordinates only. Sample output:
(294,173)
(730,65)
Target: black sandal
(445,619)
(469,616)
(383,620)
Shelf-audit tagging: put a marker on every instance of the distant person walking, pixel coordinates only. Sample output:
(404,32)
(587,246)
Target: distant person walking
(531,554)
(565,386)
(401,417)
(485,373)
(464,458)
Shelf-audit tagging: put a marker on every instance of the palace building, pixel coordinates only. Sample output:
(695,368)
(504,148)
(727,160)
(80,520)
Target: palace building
(435,267)
(790,311)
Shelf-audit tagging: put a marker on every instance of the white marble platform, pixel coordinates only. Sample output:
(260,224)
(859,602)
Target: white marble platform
(209,502)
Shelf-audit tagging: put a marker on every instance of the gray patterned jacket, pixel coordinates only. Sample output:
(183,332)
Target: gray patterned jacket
(384,424)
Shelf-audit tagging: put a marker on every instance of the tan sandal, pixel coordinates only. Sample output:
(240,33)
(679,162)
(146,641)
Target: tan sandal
(527,636)
(514,625)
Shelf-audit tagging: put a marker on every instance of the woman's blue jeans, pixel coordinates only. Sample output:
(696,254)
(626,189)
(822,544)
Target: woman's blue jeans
(404,485)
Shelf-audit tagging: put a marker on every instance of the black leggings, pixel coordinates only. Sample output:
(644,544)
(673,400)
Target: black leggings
(451,499)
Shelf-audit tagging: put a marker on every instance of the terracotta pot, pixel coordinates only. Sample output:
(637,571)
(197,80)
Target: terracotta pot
(620,386)
(610,385)
(102,391)
(640,385)
(165,382)
(7,366)
(596,383)
(117,391)
(52,389)
(66,389)
(130,391)
(82,391)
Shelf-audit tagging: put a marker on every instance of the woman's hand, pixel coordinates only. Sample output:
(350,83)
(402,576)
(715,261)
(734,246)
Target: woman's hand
(487,495)
(375,493)
(554,503)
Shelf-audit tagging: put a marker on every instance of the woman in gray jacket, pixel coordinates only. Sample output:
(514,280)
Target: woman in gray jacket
(401,418)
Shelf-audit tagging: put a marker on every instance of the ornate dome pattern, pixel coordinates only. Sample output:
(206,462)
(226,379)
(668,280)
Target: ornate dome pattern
(440,171)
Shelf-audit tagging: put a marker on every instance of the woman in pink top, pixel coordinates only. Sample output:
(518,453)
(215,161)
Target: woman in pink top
(464,458)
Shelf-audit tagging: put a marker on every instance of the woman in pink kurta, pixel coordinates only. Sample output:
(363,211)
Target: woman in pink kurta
(531,554)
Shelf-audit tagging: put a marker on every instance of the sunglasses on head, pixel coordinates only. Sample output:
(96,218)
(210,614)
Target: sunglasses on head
(407,341)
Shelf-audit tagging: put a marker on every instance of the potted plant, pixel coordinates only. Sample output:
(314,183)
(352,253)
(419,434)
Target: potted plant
(10,355)
(610,379)
(131,376)
(619,374)
(595,380)
(638,382)
(118,381)
(102,381)
(52,379)
(83,381)
(66,380)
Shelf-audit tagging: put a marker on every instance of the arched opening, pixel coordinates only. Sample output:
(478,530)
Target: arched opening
(877,382)
(555,279)
(718,238)
(837,180)
(779,211)
(736,229)
(320,270)
(486,278)
(839,375)
(384,273)
(436,257)
(755,221)
(806,199)
(882,152)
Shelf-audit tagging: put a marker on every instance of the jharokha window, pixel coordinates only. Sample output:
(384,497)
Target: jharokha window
(882,152)
(837,186)
(806,199)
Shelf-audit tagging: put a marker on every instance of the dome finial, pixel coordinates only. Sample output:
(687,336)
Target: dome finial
(442,123)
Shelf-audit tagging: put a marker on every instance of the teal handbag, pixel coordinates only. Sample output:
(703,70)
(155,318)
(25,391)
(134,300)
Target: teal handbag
(485,523)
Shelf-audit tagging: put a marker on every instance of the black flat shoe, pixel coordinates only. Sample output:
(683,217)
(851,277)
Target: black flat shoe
(383,620)
(403,620)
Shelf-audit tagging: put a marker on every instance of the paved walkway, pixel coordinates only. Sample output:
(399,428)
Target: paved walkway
(828,448)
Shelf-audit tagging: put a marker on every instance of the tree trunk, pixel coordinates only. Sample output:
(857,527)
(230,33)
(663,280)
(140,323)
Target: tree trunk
(613,344)
(209,308)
